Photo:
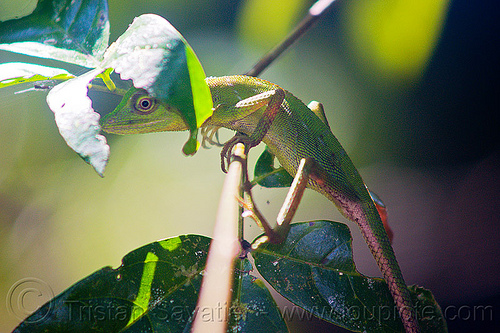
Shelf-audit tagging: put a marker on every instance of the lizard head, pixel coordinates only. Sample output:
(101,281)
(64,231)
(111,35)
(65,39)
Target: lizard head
(139,112)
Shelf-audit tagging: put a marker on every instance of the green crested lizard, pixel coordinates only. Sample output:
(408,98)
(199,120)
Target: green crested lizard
(265,112)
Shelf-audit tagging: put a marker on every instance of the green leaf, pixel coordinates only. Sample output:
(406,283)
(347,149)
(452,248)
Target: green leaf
(72,31)
(253,309)
(15,73)
(154,290)
(266,175)
(77,121)
(314,269)
(157,58)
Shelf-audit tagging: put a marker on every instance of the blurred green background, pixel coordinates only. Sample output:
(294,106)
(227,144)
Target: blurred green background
(410,90)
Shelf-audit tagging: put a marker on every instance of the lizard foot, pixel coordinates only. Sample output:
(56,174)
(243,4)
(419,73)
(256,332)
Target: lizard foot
(225,153)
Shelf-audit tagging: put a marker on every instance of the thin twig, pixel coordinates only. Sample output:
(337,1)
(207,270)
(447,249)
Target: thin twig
(315,12)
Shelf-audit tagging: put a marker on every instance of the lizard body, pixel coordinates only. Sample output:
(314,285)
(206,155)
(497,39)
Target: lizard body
(293,133)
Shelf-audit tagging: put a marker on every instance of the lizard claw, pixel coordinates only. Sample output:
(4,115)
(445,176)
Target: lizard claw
(210,136)
(225,153)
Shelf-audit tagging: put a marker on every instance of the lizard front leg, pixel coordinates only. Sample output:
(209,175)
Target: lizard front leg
(272,100)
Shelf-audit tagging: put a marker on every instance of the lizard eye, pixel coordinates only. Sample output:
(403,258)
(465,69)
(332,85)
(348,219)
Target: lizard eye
(145,105)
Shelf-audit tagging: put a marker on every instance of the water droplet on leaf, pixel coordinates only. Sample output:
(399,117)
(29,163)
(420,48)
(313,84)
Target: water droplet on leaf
(50,41)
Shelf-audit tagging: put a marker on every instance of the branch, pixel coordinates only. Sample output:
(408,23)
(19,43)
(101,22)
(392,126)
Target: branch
(315,12)
(216,289)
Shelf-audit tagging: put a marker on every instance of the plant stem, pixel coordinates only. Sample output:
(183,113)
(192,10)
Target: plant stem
(216,288)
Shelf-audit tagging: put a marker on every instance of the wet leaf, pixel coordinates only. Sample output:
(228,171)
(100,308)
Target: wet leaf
(314,269)
(253,309)
(154,290)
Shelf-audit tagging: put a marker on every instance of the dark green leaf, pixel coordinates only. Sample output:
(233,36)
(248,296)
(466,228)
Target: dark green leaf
(66,30)
(314,269)
(154,290)
(157,58)
(267,175)
(430,315)
(253,309)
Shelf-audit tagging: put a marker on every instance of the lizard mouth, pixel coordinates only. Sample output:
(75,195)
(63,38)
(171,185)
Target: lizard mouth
(115,126)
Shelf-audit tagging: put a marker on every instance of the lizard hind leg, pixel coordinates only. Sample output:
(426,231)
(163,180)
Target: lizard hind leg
(318,109)
(279,233)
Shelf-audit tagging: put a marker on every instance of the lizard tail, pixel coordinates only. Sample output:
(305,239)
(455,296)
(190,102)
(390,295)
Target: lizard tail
(382,251)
